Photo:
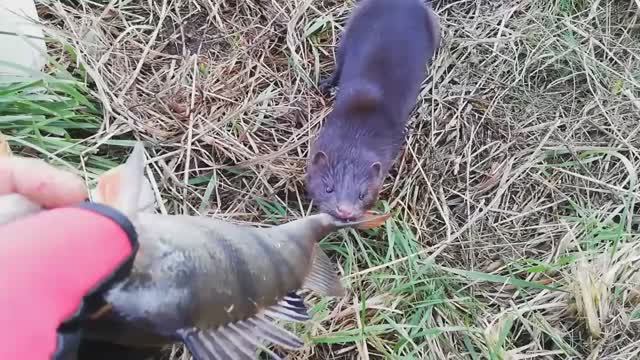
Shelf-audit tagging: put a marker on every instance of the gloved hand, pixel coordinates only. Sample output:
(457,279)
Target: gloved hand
(55,264)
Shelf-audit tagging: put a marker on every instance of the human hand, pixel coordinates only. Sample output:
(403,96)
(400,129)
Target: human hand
(40,182)
(86,247)
(30,185)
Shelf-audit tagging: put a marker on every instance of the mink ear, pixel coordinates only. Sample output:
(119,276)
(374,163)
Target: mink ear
(320,159)
(376,169)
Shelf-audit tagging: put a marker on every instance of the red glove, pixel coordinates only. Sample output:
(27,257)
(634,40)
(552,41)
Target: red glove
(54,266)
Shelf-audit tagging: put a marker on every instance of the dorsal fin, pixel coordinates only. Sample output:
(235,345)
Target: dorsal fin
(125,187)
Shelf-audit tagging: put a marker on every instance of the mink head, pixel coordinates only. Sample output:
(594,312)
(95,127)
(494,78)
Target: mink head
(344,184)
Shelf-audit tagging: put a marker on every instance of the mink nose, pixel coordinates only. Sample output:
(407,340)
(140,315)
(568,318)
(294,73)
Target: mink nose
(344,212)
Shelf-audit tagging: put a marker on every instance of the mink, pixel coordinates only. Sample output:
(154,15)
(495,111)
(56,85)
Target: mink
(381,62)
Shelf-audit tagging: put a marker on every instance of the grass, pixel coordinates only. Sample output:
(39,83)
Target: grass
(515,229)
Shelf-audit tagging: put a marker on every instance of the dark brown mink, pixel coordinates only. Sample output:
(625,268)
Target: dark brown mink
(381,62)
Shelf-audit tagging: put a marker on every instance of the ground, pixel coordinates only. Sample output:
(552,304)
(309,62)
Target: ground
(515,217)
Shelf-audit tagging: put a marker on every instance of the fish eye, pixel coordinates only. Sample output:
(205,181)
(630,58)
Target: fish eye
(329,189)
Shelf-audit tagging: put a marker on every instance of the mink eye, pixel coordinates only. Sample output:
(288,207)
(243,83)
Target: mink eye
(362,195)
(329,189)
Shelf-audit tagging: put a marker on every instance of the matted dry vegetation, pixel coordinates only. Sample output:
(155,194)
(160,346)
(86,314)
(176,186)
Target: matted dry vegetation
(515,231)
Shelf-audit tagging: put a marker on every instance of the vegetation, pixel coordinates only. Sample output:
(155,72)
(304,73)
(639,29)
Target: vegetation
(515,229)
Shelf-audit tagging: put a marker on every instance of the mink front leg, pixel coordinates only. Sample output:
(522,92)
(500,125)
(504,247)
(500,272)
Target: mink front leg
(329,83)
(332,81)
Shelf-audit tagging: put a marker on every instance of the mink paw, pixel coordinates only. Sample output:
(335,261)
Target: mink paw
(325,86)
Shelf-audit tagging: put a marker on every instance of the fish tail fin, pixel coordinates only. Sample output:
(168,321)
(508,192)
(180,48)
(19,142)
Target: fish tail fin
(369,221)
(125,187)
(323,278)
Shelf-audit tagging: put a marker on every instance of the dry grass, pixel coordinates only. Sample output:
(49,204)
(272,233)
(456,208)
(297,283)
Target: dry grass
(515,202)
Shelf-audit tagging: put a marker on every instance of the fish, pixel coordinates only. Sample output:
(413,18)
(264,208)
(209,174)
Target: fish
(218,287)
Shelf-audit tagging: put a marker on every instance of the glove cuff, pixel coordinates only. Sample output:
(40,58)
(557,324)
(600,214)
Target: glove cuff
(70,331)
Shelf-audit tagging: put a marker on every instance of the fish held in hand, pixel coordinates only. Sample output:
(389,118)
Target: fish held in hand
(217,287)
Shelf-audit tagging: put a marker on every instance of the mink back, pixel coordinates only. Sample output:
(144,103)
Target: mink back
(389,43)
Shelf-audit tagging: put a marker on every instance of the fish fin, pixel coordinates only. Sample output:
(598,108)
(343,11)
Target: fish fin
(242,339)
(5,149)
(323,278)
(132,180)
(262,326)
(238,341)
(125,187)
(369,221)
(202,345)
(290,308)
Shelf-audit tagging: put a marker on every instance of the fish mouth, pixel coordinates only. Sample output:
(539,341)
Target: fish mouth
(343,219)
(335,216)
(359,216)
(367,220)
